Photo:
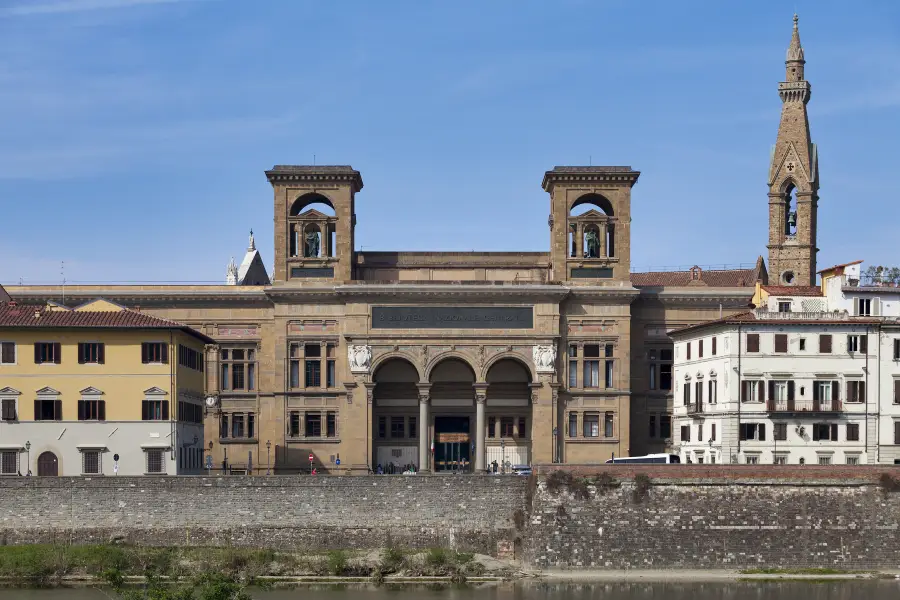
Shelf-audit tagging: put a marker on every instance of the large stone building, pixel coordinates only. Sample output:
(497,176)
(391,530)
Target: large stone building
(440,360)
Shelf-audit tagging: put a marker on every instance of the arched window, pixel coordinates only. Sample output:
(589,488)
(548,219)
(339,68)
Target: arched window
(308,202)
(591,202)
(312,241)
(790,211)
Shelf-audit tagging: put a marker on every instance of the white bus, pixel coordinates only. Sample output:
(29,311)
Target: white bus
(668,459)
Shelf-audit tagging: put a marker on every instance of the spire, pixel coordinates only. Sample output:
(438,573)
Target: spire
(252,245)
(231,273)
(795,50)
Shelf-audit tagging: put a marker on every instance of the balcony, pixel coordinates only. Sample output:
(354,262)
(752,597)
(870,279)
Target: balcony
(804,406)
(887,280)
(695,408)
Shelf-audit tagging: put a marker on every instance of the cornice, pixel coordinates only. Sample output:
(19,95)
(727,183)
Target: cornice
(739,297)
(287,174)
(604,293)
(454,291)
(618,176)
(162,294)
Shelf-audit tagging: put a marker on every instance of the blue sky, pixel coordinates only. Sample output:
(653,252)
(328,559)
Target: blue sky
(134,133)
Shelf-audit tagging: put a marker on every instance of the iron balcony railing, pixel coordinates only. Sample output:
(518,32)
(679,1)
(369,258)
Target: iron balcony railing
(695,408)
(887,280)
(799,406)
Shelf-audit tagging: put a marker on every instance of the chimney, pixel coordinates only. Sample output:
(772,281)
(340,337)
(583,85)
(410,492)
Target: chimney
(37,313)
(12,304)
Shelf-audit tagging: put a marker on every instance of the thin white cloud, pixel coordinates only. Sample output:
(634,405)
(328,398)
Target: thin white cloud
(70,6)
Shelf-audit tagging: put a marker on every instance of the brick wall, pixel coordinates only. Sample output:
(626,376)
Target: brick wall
(469,512)
(702,518)
(809,473)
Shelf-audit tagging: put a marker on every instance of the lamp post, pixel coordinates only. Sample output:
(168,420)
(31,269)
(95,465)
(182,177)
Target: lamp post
(28,456)
(268,449)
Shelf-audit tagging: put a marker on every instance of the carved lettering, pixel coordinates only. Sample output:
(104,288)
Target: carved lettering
(462,317)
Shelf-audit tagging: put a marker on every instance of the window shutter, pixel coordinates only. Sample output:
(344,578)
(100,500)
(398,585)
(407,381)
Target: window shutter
(57,410)
(771,391)
(825,344)
(37,410)
(744,390)
(145,411)
(81,410)
(689,351)
(815,429)
(165,410)
(897,349)
(762,432)
(101,410)
(862,391)
(165,353)
(80,354)
(834,435)
(849,394)
(815,387)
(897,432)
(876,307)
(864,343)
(790,390)
(37,354)
(856,307)
(56,352)
(897,391)
(101,355)
(144,357)
(714,346)
(743,433)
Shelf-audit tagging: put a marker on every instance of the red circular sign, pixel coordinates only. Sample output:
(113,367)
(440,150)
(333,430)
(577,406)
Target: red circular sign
(311,458)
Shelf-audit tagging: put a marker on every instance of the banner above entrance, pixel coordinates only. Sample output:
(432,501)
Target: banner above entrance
(452,317)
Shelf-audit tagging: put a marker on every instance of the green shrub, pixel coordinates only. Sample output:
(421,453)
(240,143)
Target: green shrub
(436,557)
(641,489)
(337,562)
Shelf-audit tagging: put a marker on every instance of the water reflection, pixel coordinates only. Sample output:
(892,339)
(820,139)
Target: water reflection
(842,590)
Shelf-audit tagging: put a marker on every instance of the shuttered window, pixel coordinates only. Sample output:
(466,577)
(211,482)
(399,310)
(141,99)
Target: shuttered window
(825,344)
(781,342)
(752,342)
(154,352)
(47,352)
(91,352)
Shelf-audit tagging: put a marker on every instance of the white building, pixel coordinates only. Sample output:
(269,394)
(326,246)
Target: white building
(806,378)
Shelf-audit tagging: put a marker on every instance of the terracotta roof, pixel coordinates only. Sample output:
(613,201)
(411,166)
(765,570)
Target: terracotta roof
(4,297)
(729,278)
(13,315)
(836,267)
(793,290)
(750,317)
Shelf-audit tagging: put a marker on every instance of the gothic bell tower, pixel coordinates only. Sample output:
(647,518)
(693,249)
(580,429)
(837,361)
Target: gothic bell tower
(793,180)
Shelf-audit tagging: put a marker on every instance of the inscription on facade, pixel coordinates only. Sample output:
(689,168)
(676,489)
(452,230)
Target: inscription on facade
(452,317)
(236,331)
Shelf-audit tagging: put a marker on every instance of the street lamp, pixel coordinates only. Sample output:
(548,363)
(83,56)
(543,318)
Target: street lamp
(268,449)
(28,456)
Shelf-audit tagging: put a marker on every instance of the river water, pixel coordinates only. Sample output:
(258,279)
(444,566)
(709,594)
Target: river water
(843,590)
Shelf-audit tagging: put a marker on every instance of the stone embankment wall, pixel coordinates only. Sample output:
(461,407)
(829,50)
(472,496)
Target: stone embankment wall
(707,517)
(472,513)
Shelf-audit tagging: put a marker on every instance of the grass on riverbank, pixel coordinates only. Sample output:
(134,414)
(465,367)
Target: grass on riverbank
(814,571)
(48,564)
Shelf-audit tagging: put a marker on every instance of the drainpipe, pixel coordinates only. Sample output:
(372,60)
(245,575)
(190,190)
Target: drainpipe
(740,392)
(173,399)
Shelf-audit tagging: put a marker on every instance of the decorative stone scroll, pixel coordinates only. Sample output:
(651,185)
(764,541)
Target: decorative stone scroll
(544,358)
(360,358)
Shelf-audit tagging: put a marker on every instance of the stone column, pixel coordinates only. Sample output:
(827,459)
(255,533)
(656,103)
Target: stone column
(480,402)
(579,242)
(604,243)
(424,447)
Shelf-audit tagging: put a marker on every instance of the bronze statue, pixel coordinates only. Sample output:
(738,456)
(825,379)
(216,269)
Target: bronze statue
(312,244)
(593,244)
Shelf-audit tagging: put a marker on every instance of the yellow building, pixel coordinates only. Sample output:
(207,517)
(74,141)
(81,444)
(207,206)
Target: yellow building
(99,390)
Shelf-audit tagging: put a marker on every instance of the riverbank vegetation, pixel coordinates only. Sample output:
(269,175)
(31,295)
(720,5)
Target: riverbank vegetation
(52,564)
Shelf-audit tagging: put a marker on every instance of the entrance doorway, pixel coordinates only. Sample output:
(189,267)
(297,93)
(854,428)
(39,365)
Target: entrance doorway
(452,444)
(48,465)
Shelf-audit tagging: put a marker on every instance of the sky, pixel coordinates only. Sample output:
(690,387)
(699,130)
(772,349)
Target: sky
(134,133)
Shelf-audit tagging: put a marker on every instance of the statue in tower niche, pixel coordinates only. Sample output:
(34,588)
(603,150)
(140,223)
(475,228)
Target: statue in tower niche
(592,244)
(312,244)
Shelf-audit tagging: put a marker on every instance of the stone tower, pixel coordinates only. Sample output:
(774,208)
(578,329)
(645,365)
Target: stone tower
(793,180)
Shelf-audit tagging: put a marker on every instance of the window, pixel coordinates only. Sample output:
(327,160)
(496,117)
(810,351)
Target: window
(155,464)
(852,432)
(237,425)
(780,459)
(492,427)
(897,391)
(608,428)
(688,350)
(778,391)
(713,391)
(48,410)
(700,349)
(825,394)
(90,462)
(665,426)
(329,367)
(712,432)
(825,344)
(90,352)
(652,376)
(190,358)
(713,346)
(413,430)
(784,306)
(313,424)
(779,432)
(8,353)
(188,412)
(506,427)
(155,410)
(591,425)
(251,425)
(47,352)
(753,431)
(223,426)
(824,460)
(92,409)
(573,366)
(825,432)
(398,427)
(687,394)
(700,432)
(685,433)
(331,425)
(591,375)
(857,343)
(665,369)
(573,424)
(310,355)
(897,349)
(751,459)
(698,394)
(752,342)
(852,460)
(522,429)
(802,344)
(294,425)
(897,432)
(864,306)
(9,462)
(608,379)
(8,409)
(652,426)
(856,391)
(752,391)
(154,352)
(781,343)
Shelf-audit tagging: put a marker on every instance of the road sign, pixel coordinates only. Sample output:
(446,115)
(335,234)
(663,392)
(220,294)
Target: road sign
(311,457)
(116,457)
(116,468)
(337,461)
